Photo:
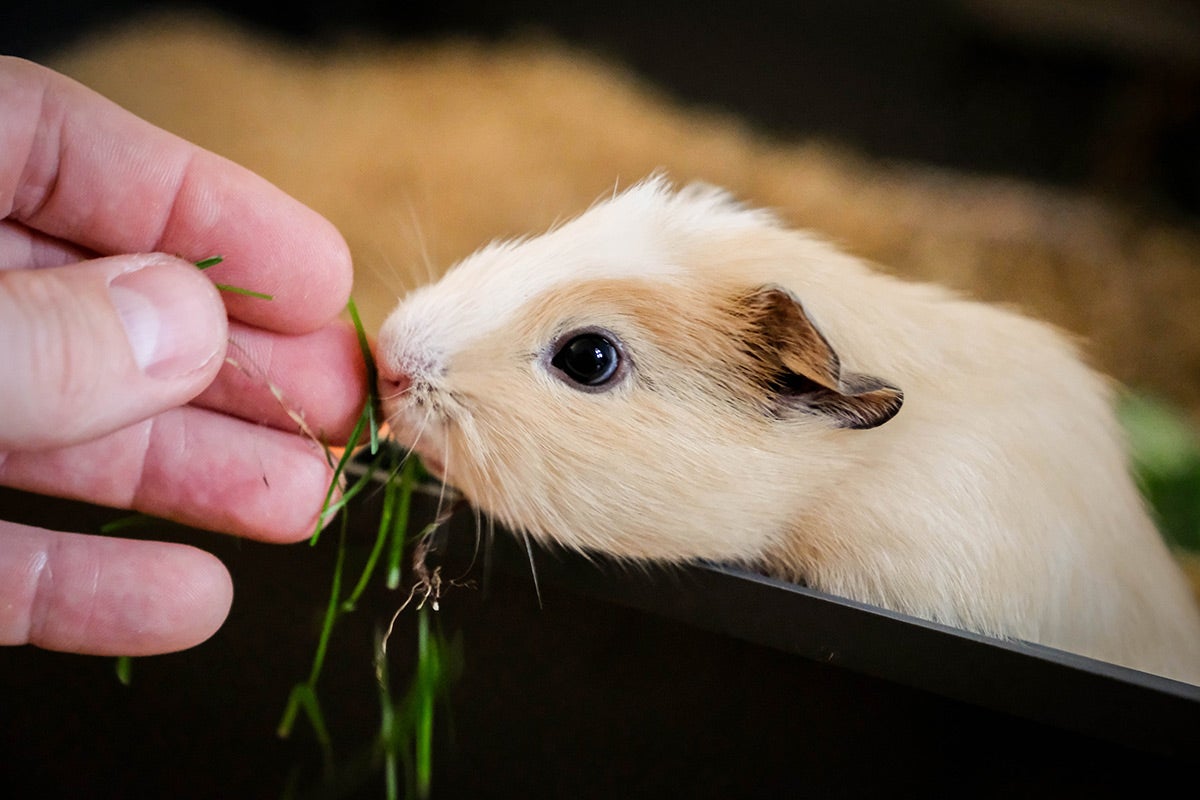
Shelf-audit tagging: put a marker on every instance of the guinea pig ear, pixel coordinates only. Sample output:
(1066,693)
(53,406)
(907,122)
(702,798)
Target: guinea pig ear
(799,370)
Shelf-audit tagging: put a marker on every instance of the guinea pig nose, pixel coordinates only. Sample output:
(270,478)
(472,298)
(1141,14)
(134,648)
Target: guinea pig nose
(393,384)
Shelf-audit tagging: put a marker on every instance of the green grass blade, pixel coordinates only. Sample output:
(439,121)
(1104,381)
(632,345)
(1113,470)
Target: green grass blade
(427,685)
(331,610)
(390,739)
(124,668)
(304,698)
(286,723)
(372,372)
(304,695)
(212,261)
(402,485)
(406,732)
(224,287)
(364,480)
(130,521)
(385,524)
(329,506)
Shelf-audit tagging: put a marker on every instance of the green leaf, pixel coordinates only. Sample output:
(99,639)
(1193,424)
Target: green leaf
(1165,449)
(211,261)
(372,372)
(402,486)
(1161,439)
(130,521)
(224,287)
(124,669)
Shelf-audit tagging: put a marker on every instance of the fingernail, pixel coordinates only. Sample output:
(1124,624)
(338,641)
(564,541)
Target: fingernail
(169,319)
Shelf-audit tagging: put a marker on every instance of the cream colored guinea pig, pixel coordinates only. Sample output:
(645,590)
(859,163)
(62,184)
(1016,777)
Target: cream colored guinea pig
(672,376)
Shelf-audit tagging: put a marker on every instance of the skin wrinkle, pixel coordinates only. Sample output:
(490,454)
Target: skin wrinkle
(24,248)
(52,133)
(96,568)
(261,381)
(254,355)
(274,382)
(16,206)
(30,196)
(139,486)
(170,179)
(168,222)
(43,590)
(15,289)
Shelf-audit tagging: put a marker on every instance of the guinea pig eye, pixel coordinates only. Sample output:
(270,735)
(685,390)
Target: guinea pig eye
(589,359)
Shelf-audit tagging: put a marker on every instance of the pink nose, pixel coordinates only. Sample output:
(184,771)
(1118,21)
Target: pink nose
(393,384)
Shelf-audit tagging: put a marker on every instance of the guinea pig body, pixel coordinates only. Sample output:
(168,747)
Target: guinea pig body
(673,377)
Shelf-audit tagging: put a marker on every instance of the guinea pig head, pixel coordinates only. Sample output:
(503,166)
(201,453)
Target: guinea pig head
(604,388)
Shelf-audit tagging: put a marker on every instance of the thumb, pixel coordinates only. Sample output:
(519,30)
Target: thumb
(92,347)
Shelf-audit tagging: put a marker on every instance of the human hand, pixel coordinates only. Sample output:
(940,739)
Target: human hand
(130,381)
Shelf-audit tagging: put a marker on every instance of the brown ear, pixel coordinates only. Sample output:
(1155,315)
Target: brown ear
(800,370)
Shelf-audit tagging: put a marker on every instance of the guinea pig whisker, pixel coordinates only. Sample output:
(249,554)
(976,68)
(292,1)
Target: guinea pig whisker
(445,472)
(478,514)
(386,272)
(387,398)
(397,394)
(411,446)
(532,567)
(489,546)
(431,272)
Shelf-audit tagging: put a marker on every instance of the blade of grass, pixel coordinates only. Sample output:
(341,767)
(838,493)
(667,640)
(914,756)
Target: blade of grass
(372,371)
(330,506)
(390,736)
(130,521)
(331,610)
(224,287)
(405,735)
(399,530)
(438,663)
(428,674)
(393,523)
(212,261)
(366,421)
(124,668)
(303,695)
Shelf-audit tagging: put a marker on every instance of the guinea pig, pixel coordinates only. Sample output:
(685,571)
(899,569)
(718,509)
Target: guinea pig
(673,376)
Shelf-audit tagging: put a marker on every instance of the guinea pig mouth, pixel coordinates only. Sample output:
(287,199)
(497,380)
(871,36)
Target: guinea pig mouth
(433,466)
(419,444)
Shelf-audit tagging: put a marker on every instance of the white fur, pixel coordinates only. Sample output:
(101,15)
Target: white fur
(998,499)
(622,237)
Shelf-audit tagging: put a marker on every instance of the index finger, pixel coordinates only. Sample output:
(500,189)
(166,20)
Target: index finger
(79,168)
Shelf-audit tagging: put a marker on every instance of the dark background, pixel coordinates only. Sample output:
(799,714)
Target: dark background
(1102,95)
(607,683)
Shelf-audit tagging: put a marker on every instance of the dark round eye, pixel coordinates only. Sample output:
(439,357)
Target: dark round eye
(588,359)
